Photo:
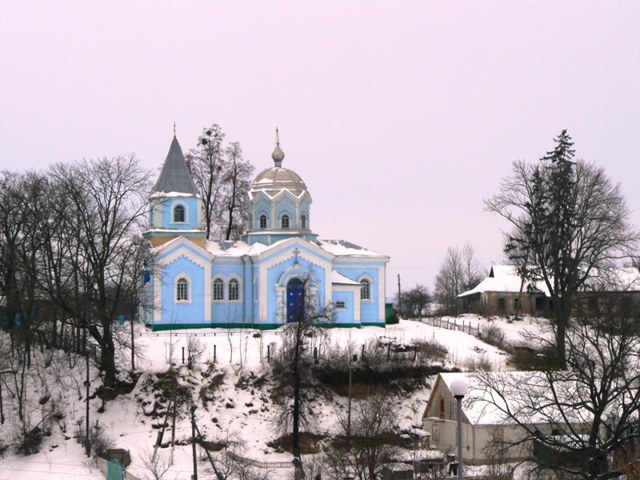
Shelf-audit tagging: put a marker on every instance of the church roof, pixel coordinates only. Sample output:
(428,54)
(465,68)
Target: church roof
(175,175)
(272,181)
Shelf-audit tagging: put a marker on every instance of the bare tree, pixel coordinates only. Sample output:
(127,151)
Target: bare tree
(236,187)
(415,301)
(206,163)
(567,219)
(459,271)
(294,367)
(106,201)
(222,177)
(580,418)
(368,441)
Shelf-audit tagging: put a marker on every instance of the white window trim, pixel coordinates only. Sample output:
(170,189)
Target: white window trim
(187,277)
(184,205)
(259,223)
(239,299)
(282,215)
(371,284)
(213,288)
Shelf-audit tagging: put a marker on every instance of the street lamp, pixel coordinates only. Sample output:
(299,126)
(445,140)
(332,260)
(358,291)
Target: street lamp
(459,388)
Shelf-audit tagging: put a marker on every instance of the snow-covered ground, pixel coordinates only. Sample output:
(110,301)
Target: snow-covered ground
(241,411)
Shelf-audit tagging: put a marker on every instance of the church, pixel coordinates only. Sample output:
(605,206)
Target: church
(278,271)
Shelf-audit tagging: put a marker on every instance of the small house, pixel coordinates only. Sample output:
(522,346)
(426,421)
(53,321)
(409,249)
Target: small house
(488,434)
(503,293)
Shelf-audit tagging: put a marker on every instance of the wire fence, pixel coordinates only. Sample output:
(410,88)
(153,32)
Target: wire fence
(455,324)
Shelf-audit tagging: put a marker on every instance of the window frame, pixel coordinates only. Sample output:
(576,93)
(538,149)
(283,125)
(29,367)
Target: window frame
(263,222)
(365,289)
(182,288)
(217,294)
(284,218)
(179,207)
(233,290)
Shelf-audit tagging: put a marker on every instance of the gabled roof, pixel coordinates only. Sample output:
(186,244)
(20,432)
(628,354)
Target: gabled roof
(505,278)
(484,405)
(175,175)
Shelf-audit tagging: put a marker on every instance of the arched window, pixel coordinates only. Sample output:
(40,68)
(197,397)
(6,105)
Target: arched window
(234,289)
(182,290)
(178,214)
(303,222)
(218,289)
(284,221)
(365,289)
(263,221)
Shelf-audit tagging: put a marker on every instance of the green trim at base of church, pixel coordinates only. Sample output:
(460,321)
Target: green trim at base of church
(156,327)
(159,327)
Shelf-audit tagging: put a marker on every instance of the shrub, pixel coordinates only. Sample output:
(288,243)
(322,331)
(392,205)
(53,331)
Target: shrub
(99,441)
(29,441)
(493,335)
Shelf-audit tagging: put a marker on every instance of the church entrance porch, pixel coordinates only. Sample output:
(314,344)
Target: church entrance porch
(295,300)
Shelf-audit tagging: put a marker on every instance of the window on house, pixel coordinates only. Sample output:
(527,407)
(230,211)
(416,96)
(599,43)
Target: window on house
(435,432)
(303,222)
(218,289)
(182,290)
(341,305)
(263,221)
(284,222)
(539,303)
(365,289)
(234,289)
(498,434)
(441,413)
(516,303)
(502,304)
(178,214)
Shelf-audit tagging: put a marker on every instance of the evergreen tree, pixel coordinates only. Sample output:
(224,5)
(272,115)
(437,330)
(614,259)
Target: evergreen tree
(567,218)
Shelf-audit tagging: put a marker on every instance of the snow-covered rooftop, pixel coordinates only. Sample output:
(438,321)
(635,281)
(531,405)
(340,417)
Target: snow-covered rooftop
(505,278)
(345,248)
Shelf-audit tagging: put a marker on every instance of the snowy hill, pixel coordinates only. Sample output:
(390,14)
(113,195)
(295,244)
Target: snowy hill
(233,390)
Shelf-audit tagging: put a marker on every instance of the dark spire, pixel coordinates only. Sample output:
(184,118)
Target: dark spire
(175,175)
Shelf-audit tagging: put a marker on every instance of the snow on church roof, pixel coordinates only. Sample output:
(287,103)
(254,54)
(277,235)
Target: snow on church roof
(505,278)
(345,248)
(339,279)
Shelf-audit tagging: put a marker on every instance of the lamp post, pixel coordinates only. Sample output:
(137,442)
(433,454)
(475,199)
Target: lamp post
(459,388)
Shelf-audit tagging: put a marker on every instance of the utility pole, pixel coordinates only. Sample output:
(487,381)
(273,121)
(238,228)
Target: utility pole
(399,298)
(87,444)
(193,443)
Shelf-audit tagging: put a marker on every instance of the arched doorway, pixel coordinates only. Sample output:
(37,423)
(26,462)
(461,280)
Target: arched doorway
(295,300)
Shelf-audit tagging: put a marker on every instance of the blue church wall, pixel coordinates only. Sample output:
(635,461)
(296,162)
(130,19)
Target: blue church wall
(369,309)
(262,207)
(188,312)
(347,314)
(191,205)
(286,205)
(285,271)
(228,311)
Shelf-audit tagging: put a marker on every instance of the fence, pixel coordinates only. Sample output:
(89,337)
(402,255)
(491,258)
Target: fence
(455,324)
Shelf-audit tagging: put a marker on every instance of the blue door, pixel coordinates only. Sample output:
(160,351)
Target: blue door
(295,300)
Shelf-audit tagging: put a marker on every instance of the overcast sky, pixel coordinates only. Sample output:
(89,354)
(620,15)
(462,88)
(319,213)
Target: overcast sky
(401,117)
